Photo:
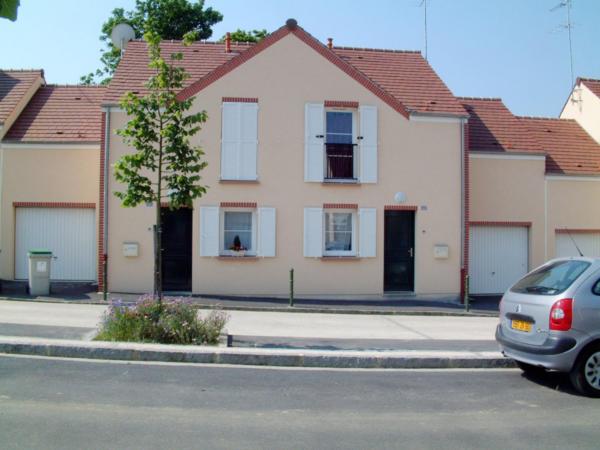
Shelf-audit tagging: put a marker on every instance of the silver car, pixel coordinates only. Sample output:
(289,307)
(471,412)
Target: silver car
(550,320)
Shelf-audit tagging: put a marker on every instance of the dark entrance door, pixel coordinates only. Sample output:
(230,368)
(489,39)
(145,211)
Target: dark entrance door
(399,251)
(177,249)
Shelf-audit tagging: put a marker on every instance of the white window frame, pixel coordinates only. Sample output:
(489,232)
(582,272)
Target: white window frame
(226,252)
(352,252)
(355,152)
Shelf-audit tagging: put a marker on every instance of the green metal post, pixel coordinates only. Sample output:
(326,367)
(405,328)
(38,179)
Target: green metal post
(291,287)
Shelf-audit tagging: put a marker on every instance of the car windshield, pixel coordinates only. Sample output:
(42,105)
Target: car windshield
(551,279)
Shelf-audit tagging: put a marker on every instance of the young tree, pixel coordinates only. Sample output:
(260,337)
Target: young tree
(169,19)
(165,165)
(246,36)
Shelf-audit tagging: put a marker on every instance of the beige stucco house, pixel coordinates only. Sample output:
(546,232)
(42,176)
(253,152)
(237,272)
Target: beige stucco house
(317,161)
(358,168)
(50,153)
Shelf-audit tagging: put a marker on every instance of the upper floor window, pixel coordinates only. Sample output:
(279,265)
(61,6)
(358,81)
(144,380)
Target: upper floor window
(239,140)
(340,144)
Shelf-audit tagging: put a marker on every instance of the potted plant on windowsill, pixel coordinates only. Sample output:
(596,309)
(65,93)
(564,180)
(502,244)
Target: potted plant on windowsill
(237,249)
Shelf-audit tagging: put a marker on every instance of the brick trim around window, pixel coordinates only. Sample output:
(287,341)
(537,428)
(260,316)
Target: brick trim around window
(79,205)
(238,204)
(340,206)
(501,223)
(340,104)
(239,100)
(400,208)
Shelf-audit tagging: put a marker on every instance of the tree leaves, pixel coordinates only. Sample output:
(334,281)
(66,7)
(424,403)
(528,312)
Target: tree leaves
(168,19)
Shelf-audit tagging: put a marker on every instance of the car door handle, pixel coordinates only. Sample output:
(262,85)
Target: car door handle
(411,252)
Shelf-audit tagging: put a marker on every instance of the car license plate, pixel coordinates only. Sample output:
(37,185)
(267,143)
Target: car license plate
(521,325)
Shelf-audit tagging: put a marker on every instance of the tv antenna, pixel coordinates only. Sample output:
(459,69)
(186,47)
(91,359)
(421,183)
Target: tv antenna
(568,26)
(424,5)
(121,34)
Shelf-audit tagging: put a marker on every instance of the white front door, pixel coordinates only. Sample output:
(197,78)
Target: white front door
(69,233)
(498,257)
(567,244)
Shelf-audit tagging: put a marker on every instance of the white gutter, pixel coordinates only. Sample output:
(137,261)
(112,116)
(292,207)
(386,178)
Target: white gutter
(463,230)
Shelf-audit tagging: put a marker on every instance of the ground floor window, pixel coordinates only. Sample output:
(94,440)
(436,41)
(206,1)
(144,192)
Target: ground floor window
(238,232)
(339,233)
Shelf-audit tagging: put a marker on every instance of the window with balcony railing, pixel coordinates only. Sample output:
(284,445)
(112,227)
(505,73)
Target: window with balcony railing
(340,155)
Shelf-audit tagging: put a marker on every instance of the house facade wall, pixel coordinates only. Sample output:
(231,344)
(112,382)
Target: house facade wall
(421,159)
(572,204)
(510,188)
(49,175)
(584,106)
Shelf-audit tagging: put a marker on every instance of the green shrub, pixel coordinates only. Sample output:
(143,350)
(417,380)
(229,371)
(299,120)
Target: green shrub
(176,321)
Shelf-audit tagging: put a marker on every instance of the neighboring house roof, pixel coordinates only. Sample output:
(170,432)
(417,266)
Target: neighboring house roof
(569,149)
(492,127)
(592,84)
(13,86)
(60,114)
(402,79)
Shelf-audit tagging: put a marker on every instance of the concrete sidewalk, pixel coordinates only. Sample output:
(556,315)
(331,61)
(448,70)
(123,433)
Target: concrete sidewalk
(339,340)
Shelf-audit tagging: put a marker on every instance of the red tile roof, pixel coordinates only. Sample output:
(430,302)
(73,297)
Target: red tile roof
(570,150)
(592,84)
(402,79)
(199,59)
(60,114)
(407,76)
(492,127)
(13,86)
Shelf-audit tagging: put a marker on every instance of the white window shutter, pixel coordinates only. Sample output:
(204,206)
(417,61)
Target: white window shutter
(367,239)
(368,143)
(266,232)
(209,231)
(314,132)
(313,232)
(230,140)
(248,141)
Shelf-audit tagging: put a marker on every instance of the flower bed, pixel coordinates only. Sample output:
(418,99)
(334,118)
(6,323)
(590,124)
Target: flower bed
(175,321)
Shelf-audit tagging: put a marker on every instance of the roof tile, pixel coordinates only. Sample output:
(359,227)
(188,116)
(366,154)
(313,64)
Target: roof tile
(60,114)
(13,86)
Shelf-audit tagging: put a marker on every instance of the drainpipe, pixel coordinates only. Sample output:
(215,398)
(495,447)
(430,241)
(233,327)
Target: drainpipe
(105,217)
(463,224)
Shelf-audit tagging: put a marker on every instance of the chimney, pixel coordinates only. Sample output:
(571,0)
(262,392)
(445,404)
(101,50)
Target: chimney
(228,42)
(330,43)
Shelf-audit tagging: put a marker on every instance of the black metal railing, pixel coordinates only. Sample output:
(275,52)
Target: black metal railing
(340,161)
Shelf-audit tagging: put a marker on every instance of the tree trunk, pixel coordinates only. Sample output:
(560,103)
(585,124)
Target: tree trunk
(158,292)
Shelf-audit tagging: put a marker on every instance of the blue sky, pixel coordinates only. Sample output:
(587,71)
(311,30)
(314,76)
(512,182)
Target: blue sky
(514,49)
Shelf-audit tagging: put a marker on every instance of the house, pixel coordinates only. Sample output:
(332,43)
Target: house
(345,164)
(583,105)
(356,167)
(50,153)
(531,184)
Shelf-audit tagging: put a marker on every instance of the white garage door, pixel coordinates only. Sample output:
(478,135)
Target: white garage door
(68,232)
(588,243)
(498,257)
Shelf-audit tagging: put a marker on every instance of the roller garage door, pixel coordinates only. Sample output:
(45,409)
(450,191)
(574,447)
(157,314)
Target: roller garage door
(68,232)
(588,243)
(498,257)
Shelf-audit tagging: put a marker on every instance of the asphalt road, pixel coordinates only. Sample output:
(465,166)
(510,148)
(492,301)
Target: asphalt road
(69,404)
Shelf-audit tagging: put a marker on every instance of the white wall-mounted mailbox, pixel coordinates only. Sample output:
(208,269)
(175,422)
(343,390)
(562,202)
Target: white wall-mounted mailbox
(440,251)
(130,249)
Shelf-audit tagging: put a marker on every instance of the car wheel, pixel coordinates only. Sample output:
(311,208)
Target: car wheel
(530,369)
(585,374)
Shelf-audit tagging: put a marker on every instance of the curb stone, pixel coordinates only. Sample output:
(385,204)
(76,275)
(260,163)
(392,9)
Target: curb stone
(123,351)
(285,309)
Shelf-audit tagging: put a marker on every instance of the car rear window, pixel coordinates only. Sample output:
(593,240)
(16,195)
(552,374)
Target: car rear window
(551,279)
